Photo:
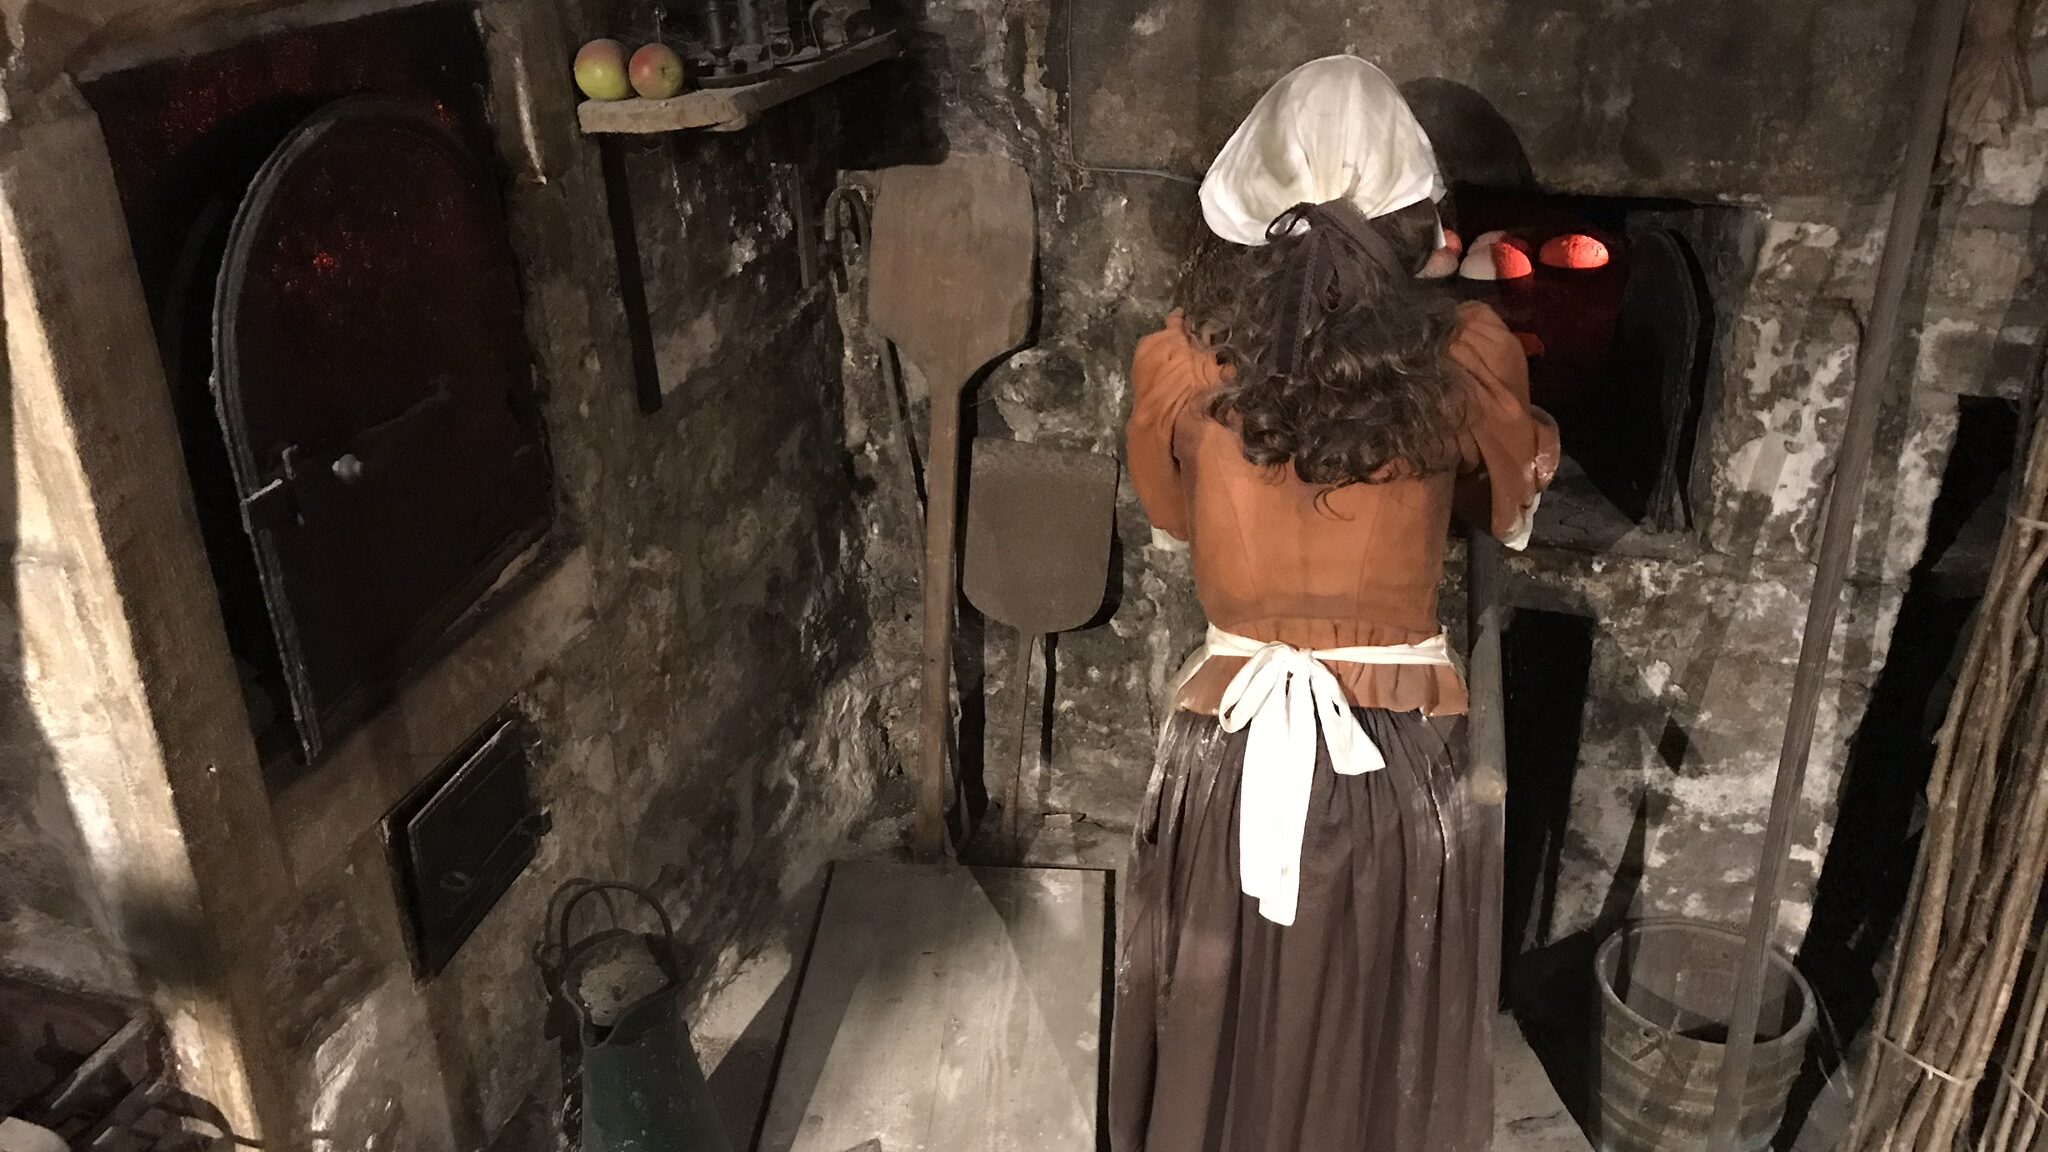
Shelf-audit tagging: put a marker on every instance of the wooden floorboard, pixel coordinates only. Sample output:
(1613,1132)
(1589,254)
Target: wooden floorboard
(947,1009)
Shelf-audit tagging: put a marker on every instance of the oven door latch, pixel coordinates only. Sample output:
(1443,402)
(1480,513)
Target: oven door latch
(376,445)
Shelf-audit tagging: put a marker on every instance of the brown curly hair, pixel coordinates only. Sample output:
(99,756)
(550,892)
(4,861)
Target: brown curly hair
(1370,398)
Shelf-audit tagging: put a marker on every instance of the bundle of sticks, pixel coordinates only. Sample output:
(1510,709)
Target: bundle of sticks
(1967,928)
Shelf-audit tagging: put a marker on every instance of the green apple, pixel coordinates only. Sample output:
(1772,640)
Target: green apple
(601,70)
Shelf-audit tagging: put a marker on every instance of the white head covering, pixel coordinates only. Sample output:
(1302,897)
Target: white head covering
(1332,129)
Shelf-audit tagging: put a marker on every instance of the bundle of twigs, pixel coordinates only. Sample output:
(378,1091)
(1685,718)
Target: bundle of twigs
(1982,861)
(2021,1075)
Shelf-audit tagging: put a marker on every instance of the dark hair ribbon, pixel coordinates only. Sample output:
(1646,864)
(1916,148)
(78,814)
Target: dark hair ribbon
(1335,260)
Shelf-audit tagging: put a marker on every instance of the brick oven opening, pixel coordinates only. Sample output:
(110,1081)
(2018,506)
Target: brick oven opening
(1620,353)
(315,216)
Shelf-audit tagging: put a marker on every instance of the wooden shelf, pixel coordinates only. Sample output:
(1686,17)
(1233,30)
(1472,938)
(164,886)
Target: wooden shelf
(730,109)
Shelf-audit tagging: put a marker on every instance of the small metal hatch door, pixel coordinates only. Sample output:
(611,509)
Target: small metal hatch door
(373,385)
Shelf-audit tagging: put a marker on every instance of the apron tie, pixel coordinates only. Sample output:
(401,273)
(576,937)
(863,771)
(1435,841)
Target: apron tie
(1284,696)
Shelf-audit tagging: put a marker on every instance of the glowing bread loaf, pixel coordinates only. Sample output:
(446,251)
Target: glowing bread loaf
(1499,261)
(1574,250)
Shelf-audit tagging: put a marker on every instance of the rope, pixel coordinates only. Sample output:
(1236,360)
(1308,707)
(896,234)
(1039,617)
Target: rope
(1931,1070)
(2029,522)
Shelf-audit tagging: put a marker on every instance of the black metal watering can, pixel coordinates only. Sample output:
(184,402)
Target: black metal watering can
(620,992)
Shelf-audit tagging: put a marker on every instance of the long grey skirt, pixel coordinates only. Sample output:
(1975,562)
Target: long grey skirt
(1367,1024)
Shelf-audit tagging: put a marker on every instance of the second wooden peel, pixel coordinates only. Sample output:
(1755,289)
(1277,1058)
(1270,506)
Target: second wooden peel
(1040,521)
(951,284)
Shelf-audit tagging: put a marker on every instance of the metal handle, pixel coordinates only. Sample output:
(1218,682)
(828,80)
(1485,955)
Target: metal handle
(527,832)
(268,503)
(573,893)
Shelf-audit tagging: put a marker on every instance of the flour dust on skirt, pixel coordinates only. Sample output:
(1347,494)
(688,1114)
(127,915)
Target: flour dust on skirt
(1365,1024)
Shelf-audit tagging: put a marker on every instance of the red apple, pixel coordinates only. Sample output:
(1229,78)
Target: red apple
(656,71)
(601,70)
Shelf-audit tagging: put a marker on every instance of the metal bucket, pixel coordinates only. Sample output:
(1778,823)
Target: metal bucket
(1666,990)
(620,992)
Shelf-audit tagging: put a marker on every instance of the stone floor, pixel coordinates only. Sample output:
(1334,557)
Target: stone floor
(738,1033)
(1528,1116)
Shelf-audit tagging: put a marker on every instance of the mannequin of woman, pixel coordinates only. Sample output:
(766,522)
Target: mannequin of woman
(1309,960)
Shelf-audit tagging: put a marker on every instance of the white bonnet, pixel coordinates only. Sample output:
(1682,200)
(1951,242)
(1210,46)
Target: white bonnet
(1333,129)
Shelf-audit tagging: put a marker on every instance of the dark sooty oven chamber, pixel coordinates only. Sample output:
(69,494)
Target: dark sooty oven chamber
(1620,353)
(318,227)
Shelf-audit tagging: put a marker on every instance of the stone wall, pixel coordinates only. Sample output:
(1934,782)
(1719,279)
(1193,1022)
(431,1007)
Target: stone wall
(1751,97)
(1695,634)
(690,644)
(705,733)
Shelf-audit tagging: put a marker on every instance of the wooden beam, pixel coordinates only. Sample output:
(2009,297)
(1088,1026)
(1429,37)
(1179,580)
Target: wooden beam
(1486,774)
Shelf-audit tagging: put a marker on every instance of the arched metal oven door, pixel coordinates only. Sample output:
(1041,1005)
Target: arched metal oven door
(373,383)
